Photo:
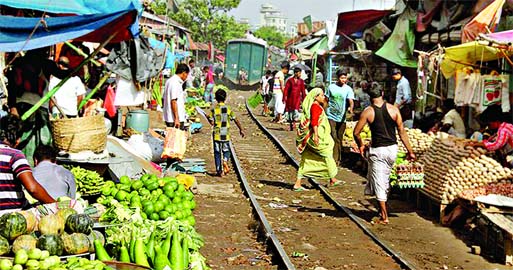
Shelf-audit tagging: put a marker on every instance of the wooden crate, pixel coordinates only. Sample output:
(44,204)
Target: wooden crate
(432,206)
(494,236)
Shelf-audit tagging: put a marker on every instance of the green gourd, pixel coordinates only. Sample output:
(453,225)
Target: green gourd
(176,253)
(161,261)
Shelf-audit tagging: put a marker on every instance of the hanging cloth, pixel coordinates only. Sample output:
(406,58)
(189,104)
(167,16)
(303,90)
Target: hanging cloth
(399,46)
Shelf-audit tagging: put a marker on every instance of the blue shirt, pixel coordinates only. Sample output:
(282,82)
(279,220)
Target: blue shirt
(403,91)
(337,101)
(55,179)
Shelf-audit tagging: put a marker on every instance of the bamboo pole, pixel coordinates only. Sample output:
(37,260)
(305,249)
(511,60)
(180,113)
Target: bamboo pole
(82,53)
(52,92)
(95,89)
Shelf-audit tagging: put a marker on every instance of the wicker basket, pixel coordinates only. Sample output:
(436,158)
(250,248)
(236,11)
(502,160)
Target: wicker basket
(74,135)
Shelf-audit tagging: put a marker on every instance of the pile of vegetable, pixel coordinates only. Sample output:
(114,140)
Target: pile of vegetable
(348,138)
(157,244)
(32,259)
(504,189)
(88,182)
(451,167)
(147,198)
(64,232)
(405,174)
(419,141)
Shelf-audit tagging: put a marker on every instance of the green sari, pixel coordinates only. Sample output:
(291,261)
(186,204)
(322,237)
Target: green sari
(316,160)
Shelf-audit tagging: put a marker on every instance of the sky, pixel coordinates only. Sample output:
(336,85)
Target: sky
(295,10)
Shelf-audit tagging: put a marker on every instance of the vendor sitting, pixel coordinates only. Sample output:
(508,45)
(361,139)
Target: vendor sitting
(503,139)
(57,180)
(15,171)
(452,122)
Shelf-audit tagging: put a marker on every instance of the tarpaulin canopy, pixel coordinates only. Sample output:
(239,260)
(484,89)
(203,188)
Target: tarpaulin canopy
(505,37)
(94,21)
(20,33)
(321,47)
(77,7)
(355,21)
(306,44)
(485,21)
(400,45)
(467,54)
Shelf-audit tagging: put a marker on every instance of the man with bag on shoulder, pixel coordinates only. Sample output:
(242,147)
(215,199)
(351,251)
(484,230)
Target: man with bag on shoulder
(174,98)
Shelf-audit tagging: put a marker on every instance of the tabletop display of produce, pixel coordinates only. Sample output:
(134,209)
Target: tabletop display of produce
(451,167)
(148,224)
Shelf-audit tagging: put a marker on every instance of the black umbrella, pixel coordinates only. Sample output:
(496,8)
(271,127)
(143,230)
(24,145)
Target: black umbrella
(302,66)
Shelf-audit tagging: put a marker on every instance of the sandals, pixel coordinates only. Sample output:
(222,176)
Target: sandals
(299,189)
(335,183)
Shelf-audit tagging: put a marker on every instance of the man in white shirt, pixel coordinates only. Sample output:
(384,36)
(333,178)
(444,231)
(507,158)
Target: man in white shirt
(174,98)
(452,121)
(69,95)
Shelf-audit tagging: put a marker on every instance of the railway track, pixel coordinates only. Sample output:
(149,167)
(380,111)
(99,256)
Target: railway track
(302,230)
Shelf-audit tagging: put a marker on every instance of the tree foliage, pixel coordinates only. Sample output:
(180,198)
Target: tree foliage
(271,35)
(207,20)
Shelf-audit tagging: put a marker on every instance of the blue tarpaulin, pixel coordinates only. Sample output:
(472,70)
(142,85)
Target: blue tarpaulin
(15,31)
(77,7)
(86,20)
(170,59)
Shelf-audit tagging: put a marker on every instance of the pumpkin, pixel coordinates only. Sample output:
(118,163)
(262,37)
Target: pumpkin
(52,243)
(95,235)
(79,223)
(64,213)
(51,224)
(26,242)
(31,220)
(75,243)
(4,246)
(12,225)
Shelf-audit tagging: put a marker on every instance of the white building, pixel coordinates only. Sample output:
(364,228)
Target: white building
(270,16)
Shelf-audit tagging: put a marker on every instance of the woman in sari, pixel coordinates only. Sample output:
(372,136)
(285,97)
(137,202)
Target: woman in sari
(314,142)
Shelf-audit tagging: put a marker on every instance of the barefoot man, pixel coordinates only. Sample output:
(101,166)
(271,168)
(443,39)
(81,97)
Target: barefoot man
(384,121)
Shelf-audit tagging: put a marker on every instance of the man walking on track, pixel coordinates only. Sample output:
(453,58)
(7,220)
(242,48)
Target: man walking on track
(293,95)
(384,120)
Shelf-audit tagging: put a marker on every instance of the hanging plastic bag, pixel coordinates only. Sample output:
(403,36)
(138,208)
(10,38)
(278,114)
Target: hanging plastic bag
(109,102)
(175,143)
(255,100)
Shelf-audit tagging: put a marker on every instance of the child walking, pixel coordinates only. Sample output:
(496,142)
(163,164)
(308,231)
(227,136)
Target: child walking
(220,117)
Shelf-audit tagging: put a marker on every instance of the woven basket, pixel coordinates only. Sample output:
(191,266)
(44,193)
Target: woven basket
(74,135)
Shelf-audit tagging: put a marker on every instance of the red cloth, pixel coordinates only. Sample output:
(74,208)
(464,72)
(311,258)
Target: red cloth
(293,94)
(315,114)
(354,21)
(504,135)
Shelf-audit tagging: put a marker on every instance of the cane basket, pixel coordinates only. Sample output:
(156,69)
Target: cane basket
(75,135)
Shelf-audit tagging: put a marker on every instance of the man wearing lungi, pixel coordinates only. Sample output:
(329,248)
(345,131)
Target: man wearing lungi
(384,121)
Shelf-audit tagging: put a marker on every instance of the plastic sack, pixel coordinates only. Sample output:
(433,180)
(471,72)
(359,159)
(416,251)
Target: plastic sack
(175,143)
(255,100)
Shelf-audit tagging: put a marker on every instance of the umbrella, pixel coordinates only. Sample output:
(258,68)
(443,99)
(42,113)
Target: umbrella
(302,66)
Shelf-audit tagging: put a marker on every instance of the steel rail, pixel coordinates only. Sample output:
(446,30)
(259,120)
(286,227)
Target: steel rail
(357,220)
(270,237)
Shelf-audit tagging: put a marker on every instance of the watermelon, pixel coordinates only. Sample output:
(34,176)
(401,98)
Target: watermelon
(51,224)
(31,220)
(64,213)
(79,223)
(52,243)
(4,246)
(12,225)
(26,242)
(75,243)
(95,235)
